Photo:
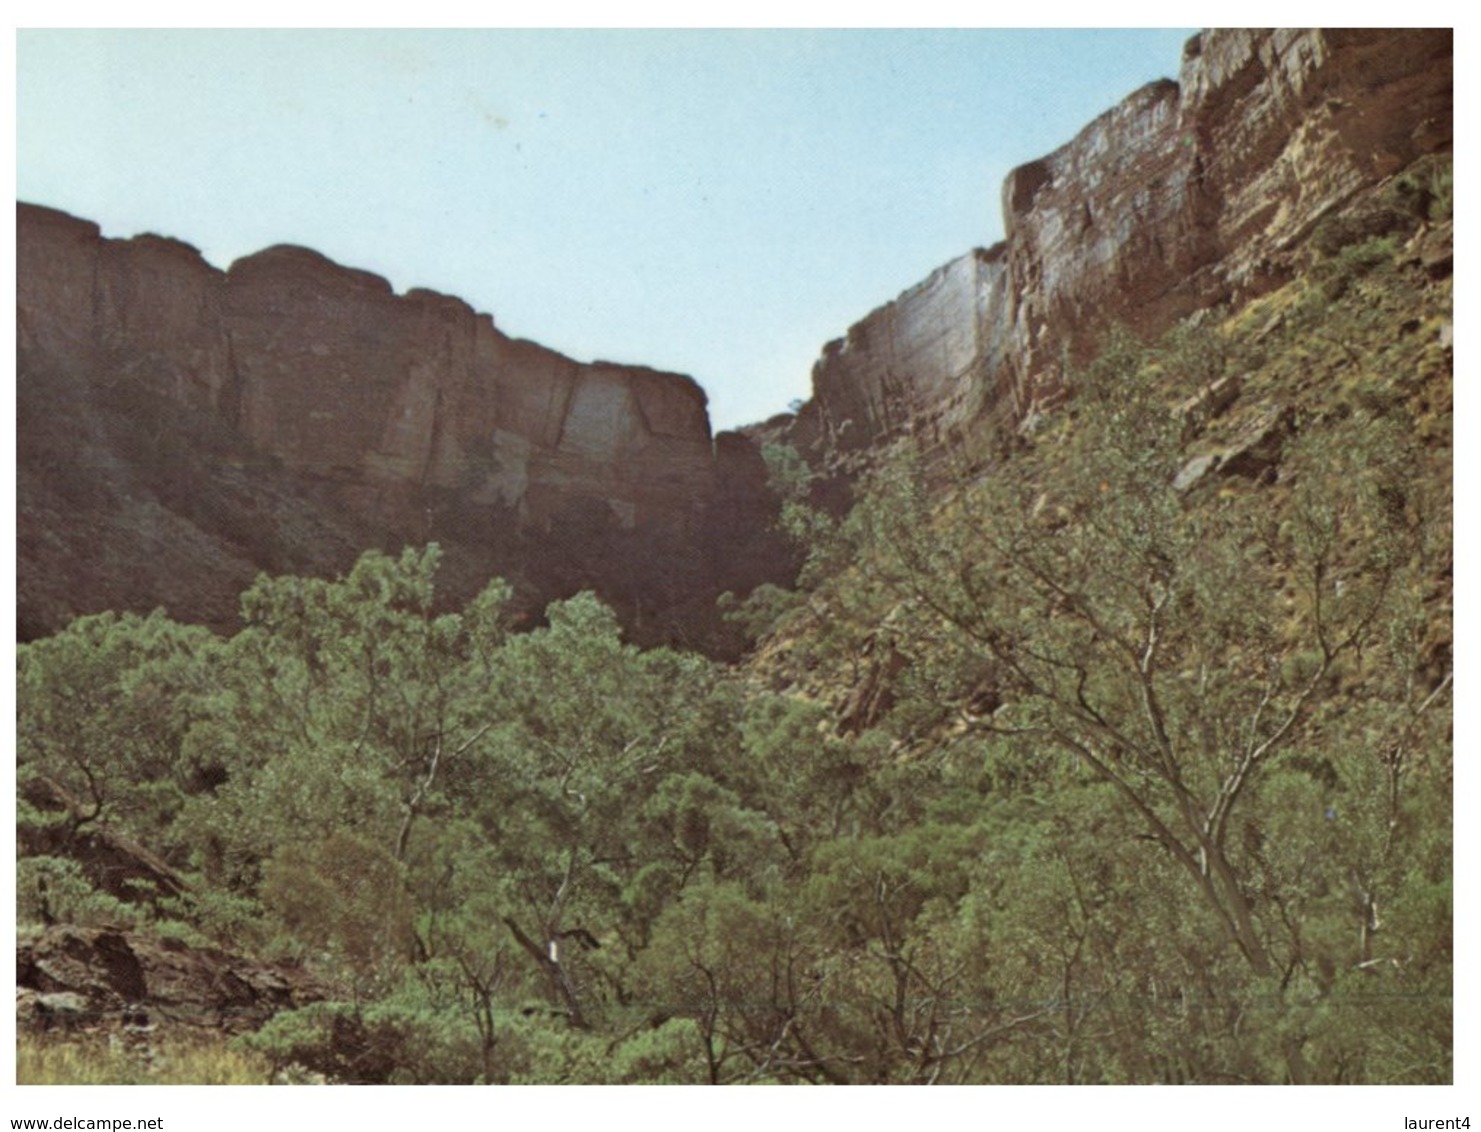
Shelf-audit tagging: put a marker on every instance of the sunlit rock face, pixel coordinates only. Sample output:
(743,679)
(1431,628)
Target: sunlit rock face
(311,412)
(913,366)
(1186,195)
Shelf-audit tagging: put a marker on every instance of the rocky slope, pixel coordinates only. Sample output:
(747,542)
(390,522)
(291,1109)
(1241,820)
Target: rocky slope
(1187,195)
(182,428)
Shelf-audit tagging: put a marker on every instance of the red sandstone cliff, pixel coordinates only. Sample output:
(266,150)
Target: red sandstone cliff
(183,427)
(1186,195)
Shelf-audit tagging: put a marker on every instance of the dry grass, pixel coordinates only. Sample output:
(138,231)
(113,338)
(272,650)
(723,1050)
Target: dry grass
(97,1060)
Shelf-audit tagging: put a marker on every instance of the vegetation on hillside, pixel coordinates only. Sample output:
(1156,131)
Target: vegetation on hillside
(1124,760)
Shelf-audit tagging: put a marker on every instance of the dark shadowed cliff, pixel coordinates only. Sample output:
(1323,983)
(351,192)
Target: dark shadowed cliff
(183,428)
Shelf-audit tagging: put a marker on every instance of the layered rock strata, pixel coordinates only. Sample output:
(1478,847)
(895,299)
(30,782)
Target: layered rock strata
(1186,195)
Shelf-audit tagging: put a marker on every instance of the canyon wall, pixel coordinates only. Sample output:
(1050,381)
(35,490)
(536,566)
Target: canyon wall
(367,418)
(1186,195)
(182,428)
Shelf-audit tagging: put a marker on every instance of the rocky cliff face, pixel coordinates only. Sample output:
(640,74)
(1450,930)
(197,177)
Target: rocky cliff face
(1186,195)
(183,427)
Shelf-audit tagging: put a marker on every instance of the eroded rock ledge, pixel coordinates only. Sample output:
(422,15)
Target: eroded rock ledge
(106,978)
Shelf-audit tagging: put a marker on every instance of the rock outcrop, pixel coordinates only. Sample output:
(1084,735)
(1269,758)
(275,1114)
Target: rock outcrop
(108,978)
(1186,195)
(183,428)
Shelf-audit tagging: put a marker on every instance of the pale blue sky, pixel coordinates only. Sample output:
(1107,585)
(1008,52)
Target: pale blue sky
(717,203)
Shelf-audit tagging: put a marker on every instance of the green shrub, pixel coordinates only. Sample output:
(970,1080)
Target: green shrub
(1335,275)
(55,889)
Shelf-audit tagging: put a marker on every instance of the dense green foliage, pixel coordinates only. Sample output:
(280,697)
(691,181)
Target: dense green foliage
(1061,774)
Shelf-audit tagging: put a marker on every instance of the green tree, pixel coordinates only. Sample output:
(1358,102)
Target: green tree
(586,730)
(1253,677)
(104,706)
(342,713)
